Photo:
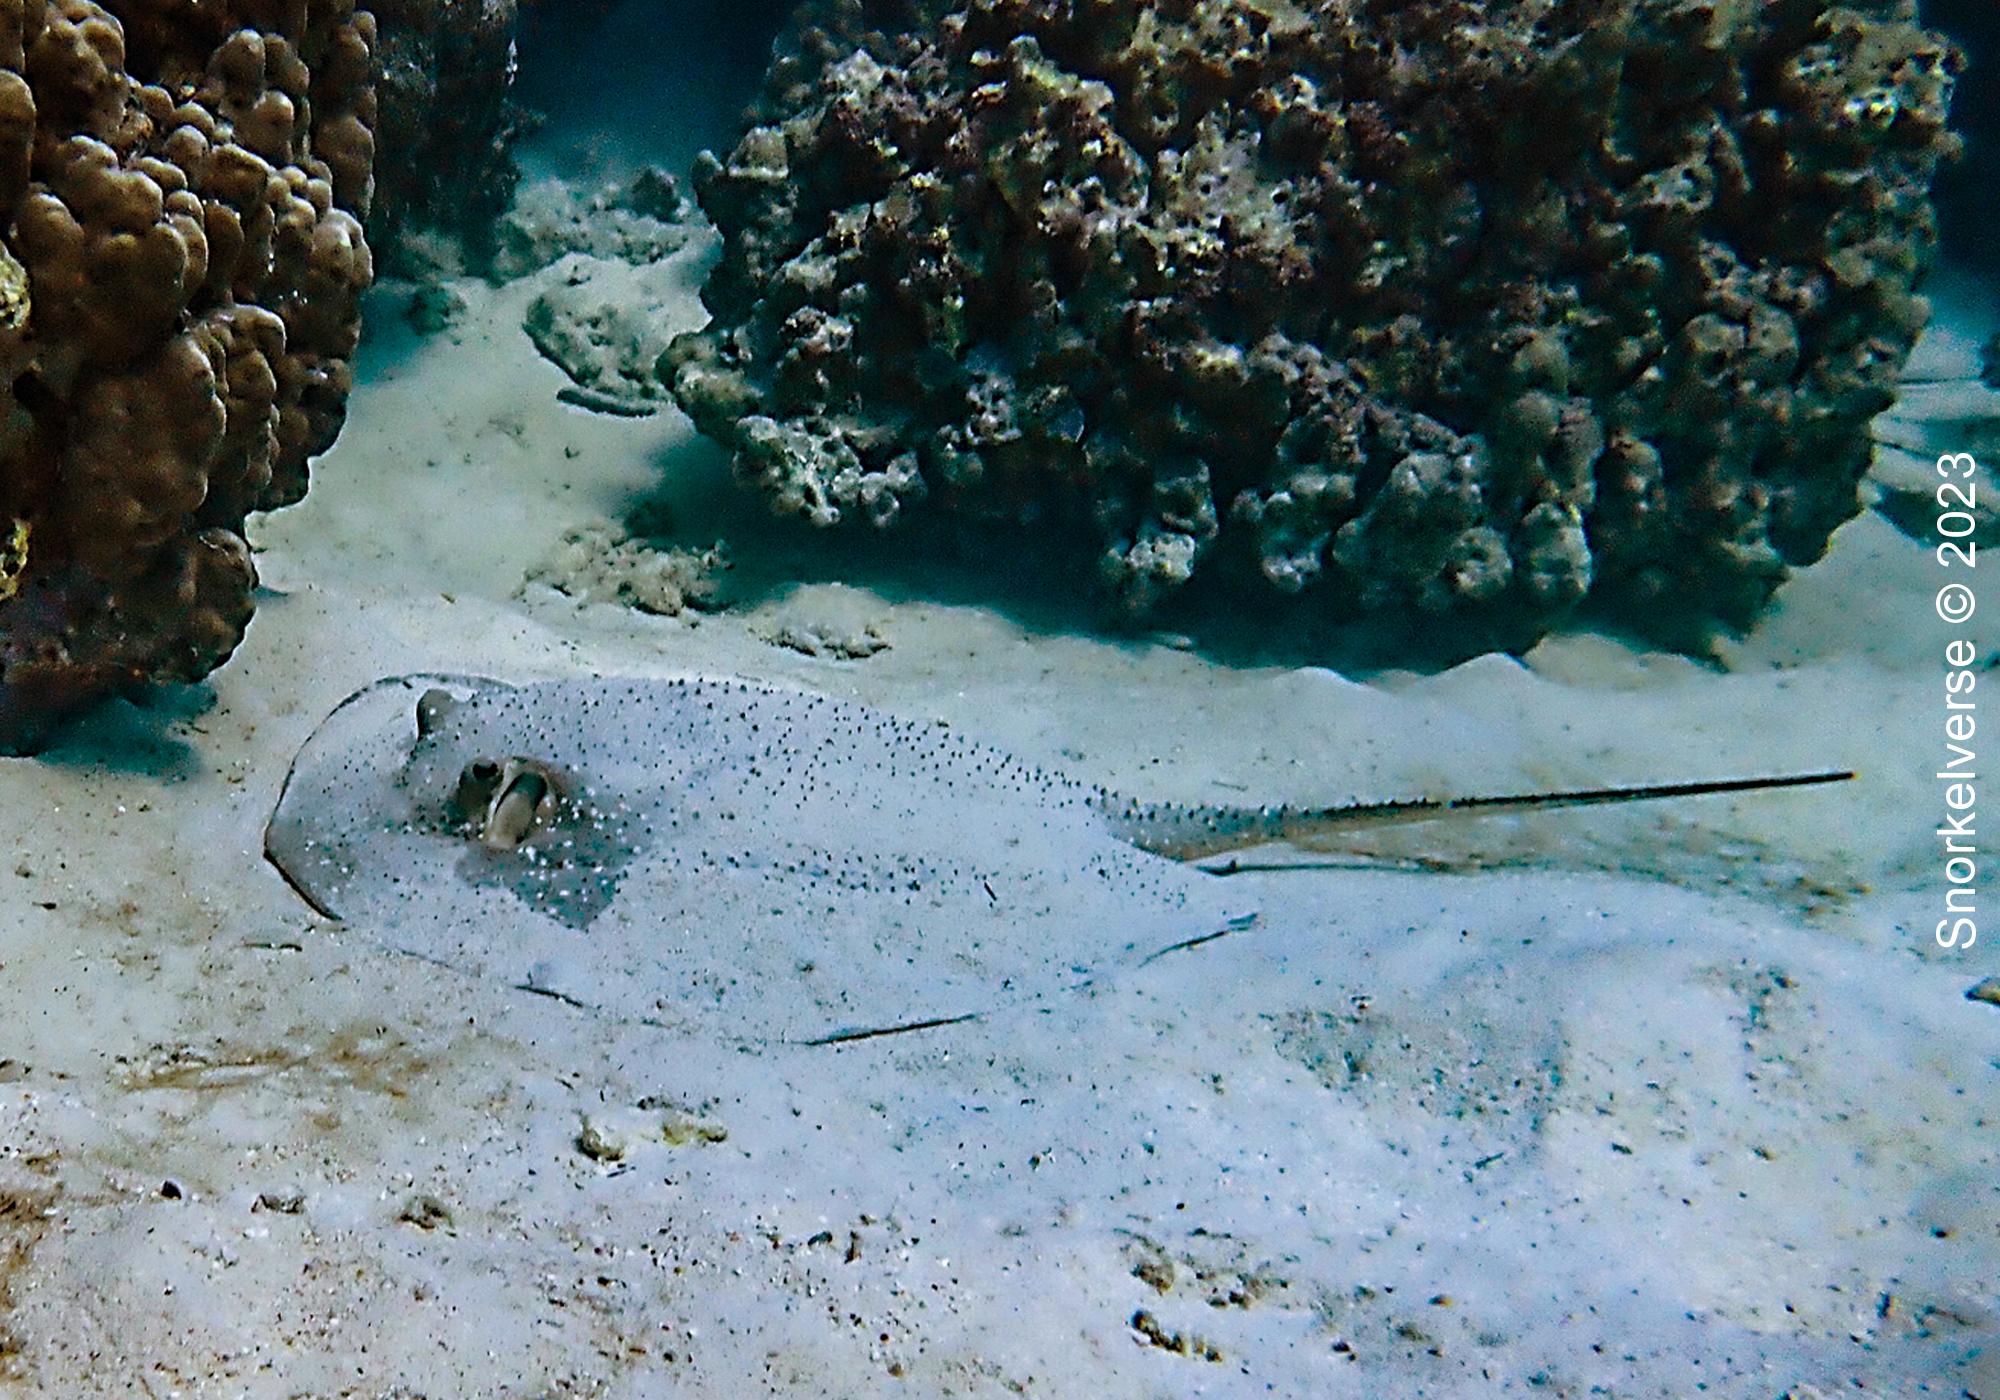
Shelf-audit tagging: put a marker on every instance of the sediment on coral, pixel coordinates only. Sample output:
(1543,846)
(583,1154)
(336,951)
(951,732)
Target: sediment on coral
(1468,314)
(182,188)
(601,320)
(602,326)
(601,562)
(639,220)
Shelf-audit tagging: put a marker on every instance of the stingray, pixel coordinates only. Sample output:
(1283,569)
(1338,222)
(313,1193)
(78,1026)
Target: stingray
(761,864)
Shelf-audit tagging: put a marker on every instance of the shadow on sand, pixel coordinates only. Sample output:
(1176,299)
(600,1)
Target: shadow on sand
(1044,579)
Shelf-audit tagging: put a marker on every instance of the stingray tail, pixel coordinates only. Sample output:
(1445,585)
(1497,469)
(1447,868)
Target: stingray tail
(1194,833)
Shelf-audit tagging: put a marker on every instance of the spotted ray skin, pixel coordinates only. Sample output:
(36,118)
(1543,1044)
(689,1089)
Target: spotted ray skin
(749,862)
(768,864)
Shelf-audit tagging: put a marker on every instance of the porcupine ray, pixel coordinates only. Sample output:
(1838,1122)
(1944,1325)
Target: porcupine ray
(760,864)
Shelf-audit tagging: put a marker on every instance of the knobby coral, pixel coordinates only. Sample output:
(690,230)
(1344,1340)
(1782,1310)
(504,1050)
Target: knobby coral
(180,181)
(1464,312)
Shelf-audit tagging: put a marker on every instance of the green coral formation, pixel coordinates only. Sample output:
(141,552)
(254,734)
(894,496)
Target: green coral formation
(1471,314)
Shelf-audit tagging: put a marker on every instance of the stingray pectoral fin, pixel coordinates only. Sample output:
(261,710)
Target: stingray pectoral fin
(369,731)
(1198,833)
(299,886)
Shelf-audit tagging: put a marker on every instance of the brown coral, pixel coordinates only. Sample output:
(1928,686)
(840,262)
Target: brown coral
(179,301)
(1451,317)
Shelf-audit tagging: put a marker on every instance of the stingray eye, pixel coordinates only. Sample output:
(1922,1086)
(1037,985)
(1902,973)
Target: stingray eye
(477,782)
(432,709)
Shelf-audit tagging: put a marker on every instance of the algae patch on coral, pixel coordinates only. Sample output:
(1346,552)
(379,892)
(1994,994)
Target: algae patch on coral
(14,558)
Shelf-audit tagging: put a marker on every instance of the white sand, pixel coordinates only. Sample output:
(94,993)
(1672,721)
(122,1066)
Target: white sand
(1666,1098)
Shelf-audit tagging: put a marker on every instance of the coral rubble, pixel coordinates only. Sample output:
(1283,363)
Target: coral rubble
(601,562)
(602,320)
(639,220)
(602,326)
(179,300)
(1430,309)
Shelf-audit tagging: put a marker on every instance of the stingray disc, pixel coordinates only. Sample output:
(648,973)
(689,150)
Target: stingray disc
(753,863)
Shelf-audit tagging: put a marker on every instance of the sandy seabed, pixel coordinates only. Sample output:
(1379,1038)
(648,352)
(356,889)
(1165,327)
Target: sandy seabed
(1657,1102)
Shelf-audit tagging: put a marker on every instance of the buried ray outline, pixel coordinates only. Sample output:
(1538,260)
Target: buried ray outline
(768,865)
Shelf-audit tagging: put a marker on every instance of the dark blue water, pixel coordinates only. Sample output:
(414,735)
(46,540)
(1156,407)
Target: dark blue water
(651,82)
